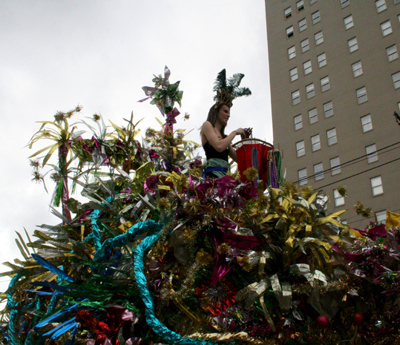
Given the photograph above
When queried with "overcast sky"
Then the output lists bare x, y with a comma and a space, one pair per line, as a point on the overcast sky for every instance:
56, 54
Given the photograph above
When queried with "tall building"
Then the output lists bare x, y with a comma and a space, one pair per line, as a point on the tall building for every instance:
335, 84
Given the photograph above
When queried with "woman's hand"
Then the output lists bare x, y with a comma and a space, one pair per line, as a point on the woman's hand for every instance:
240, 131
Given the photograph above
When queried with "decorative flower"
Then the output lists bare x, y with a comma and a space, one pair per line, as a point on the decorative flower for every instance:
150, 183
153, 154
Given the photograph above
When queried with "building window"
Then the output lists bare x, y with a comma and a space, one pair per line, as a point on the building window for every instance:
296, 97
372, 155
289, 31
325, 85
392, 53
300, 5
288, 12
331, 135
396, 80
376, 185
302, 177
310, 91
319, 38
380, 216
366, 123
386, 28
298, 122
357, 69
339, 200
328, 109
307, 67
300, 149
380, 5
312, 116
348, 22
318, 171
335, 166
353, 45
315, 143
345, 3
292, 52
293, 74
316, 18
305, 45
321, 60
302, 25
362, 95
396, 2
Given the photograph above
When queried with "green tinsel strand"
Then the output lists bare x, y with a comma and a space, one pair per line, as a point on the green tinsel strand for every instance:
279, 168
57, 197
107, 230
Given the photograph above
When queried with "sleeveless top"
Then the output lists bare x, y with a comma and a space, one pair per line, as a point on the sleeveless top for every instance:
211, 152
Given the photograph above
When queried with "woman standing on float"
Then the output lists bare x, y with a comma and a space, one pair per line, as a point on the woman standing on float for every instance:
216, 144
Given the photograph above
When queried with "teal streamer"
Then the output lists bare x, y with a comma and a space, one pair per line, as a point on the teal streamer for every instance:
121, 240
12, 305
86, 239
169, 336
95, 229
28, 339
95, 234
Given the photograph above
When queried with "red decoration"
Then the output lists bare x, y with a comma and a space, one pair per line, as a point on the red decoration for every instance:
358, 318
322, 321
245, 158
217, 298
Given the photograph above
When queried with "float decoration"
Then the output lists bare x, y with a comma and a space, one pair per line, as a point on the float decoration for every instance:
158, 254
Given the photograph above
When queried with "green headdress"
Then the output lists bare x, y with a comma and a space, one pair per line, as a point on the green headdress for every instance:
228, 90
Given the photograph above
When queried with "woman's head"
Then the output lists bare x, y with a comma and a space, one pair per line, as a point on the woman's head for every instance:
219, 112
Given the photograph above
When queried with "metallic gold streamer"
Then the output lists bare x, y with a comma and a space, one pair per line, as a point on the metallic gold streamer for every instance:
392, 220
266, 313
223, 337
186, 310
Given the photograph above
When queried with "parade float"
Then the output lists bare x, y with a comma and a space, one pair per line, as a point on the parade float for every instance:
157, 254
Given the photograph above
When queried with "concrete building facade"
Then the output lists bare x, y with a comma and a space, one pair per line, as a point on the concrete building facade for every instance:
335, 84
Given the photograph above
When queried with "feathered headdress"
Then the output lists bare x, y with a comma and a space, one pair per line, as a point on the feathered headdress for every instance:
228, 90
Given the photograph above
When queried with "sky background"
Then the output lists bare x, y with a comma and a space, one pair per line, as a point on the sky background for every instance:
98, 54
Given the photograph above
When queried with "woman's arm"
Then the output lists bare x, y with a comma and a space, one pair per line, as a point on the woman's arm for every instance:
217, 143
